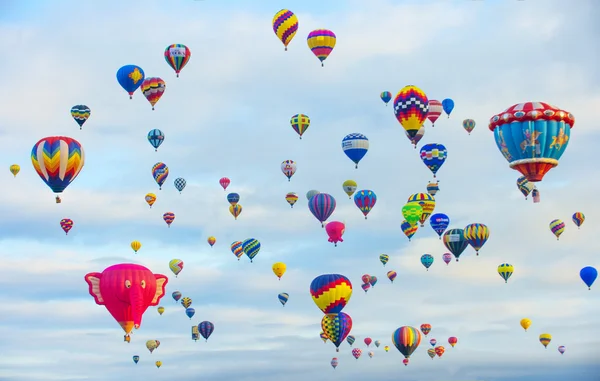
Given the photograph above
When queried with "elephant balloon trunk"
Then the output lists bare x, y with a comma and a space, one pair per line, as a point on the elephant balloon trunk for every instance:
137, 307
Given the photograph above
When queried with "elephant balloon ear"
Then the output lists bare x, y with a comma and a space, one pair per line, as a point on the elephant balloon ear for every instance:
93, 281
161, 283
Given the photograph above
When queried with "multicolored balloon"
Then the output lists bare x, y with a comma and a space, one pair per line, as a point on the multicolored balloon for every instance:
235, 210
160, 172
414, 140
578, 219
455, 242
156, 137
177, 56
532, 137
153, 89
176, 296
386, 97
431, 353
237, 249
408, 229
433, 342
505, 270
169, 217
425, 328
176, 266
186, 302
288, 167
439, 350
365, 201
545, 339
427, 203
300, 123
211, 241
322, 206
57, 160
321, 42
80, 113
285, 26
452, 341
447, 258
331, 292
130, 77
291, 198
406, 339
384, 258
251, 247
349, 187
334, 362
150, 199
412, 213
350, 339
525, 186
355, 146
336, 327
557, 227
434, 155
66, 224
392, 275
283, 298
433, 188
477, 235
468, 125
411, 107
561, 349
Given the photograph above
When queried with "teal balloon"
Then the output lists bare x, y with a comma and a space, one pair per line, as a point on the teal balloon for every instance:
455, 242
427, 260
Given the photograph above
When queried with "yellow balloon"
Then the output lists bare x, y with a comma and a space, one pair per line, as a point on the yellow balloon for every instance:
525, 323
161, 310
14, 169
349, 187
545, 339
279, 269
136, 245
150, 198
235, 210
387, 348
158, 364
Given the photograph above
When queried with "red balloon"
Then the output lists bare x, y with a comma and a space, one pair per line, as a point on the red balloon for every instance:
335, 230
224, 182
127, 290
368, 341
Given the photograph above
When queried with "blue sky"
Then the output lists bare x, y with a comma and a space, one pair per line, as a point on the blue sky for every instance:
228, 115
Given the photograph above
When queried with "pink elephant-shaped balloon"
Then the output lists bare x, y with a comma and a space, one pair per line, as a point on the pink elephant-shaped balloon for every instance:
127, 290
335, 230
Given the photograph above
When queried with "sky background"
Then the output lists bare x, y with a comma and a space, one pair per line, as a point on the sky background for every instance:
228, 115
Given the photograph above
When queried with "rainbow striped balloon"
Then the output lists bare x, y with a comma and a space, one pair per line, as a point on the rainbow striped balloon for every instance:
57, 160
177, 56
331, 292
321, 42
406, 340
578, 219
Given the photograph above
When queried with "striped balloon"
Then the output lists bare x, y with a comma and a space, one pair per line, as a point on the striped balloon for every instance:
321, 206
321, 42
384, 258
283, 298
351, 339
392, 275
411, 107
177, 56
156, 137
237, 250
433, 188
291, 198
251, 247
66, 224
160, 172
505, 270
477, 235
331, 292
57, 160
455, 242
206, 329
557, 227
153, 88
285, 26
169, 217
435, 110
336, 327
408, 229
406, 340
386, 97
80, 113
578, 219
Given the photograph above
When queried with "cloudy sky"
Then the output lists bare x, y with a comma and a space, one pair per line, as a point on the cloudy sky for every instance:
228, 115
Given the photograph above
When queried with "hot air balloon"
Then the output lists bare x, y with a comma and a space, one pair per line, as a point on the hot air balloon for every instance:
476, 235
224, 182
285, 26
80, 113
176, 295
392, 275
186, 302
414, 140
448, 106
206, 329
557, 227
331, 292
439, 350
15, 169
588, 275
136, 359
336, 326
452, 341
66, 224
190, 312
561, 349
433, 188
371, 354
176, 266
235, 210
405, 362
366, 278
279, 269
321, 206
169, 217
426, 201
350, 339
355, 146
411, 107
365, 287
433, 342
373, 281
136, 245
311, 193
152, 345
300, 123
323, 337
130, 77
150, 199
153, 88
408, 229
386, 97
237, 250
435, 110
356, 352
455, 242
283, 298
433, 156
158, 364
431, 353
291, 198
334, 362
578, 219
447, 257
160, 310
406, 340
427, 260
545, 339
335, 230
425, 328
412, 213
126, 290
160, 171
211, 241
321, 42
532, 137
525, 186
365, 201
233, 198
177, 56
251, 247
156, 137
505, 270
384, 258
57, 160
439, 223
288, 167
377, 343
368, 341
386, 348
179, 184
525, 323
469, 125
349, 187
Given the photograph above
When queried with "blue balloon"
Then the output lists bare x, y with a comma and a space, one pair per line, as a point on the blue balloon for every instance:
130, 77
190, 312
439, 223
179, 184
283, 298
588, 276
233, 198
434, 156
355, 146
156, 138
136, 359
448, 106
427, 260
